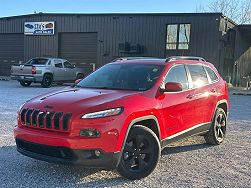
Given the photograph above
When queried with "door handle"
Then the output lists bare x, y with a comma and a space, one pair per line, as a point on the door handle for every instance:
190, 96
213, 90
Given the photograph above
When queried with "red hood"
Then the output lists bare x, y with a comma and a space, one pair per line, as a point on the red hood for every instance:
72, 99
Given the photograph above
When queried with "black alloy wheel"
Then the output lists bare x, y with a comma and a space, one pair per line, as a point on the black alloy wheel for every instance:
47, 81
217, 132
140, 154
25, 83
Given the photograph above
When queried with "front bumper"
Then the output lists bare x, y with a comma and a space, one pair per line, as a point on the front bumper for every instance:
64, 155
27, 78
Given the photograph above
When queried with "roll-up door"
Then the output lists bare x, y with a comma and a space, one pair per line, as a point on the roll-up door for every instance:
11, 51
79, 48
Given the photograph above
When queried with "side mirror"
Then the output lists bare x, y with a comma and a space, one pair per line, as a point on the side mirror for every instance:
172, 87
77, 81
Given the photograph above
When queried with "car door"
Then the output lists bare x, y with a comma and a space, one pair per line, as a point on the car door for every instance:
70, 71
212, 89
178, 109
200, 94
59, 73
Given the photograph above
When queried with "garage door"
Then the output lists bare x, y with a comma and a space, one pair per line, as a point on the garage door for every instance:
79, 48
11, 51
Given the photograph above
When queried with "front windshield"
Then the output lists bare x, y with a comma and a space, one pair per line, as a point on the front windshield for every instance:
136, 77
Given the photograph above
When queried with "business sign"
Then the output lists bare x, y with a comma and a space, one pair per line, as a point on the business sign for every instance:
39, 28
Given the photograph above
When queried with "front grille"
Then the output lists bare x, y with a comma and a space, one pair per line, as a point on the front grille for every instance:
48, 120
52, 151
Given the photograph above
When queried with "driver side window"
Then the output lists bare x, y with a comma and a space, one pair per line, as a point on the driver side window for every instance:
178, 74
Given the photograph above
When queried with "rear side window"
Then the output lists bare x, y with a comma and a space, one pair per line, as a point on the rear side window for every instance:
58, 63
178, 74
211, 74
37, 61
198, 74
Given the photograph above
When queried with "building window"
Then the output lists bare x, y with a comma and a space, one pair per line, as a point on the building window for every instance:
178, 36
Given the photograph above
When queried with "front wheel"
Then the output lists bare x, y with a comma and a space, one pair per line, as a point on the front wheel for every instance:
217, 131
25, 83
140, 154
47, 81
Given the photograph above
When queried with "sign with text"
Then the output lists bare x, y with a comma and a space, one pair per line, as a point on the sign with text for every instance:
39, 28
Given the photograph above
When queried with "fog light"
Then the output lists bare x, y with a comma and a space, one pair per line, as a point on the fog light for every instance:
97, 153
89, 133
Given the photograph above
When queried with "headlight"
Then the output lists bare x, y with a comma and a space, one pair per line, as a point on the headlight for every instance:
104, 113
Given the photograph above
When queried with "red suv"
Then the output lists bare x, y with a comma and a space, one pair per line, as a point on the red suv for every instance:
123, 114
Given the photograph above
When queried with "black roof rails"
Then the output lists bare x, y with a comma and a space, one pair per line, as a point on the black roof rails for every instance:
173, 58
132, 58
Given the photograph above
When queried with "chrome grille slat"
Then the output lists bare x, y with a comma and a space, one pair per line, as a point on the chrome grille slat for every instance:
23, 115
57, 118
28, 116
48, 120
66, 121
34, 117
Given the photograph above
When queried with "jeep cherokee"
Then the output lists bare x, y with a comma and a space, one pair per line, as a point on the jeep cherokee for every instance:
122, 115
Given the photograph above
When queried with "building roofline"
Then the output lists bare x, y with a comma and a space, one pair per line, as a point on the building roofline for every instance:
111, 14
229, 19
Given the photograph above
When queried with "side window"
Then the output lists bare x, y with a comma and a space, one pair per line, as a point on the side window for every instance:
211, 74
178, 36
178, 74
58, 63
49, 63
198, 74
67, 65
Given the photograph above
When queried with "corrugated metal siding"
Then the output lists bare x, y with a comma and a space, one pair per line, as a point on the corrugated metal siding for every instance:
147, 30
79, 48
11, 51
243, 56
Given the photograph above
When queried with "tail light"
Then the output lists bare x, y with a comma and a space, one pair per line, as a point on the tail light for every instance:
33, 70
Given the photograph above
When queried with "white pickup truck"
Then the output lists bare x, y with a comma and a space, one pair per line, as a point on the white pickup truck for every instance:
46, 71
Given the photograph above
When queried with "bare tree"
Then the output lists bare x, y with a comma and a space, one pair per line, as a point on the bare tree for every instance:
237, 10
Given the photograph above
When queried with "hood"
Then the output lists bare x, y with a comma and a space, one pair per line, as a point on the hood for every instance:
72, 99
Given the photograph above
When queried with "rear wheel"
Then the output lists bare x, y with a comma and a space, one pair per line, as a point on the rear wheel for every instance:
217, 131
140, 154
47, 81
25, 83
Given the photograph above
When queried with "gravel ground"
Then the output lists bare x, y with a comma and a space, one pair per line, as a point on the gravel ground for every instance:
190, 163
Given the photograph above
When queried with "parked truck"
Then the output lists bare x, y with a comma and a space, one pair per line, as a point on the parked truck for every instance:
46, 71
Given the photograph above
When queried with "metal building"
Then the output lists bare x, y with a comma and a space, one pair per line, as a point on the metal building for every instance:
95, 39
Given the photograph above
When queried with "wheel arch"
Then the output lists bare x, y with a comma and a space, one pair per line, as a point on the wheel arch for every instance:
224, 105
149, 121
137, 121
144, 119
48, 73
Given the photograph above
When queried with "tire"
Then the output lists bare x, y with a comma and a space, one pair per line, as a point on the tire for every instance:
47, 81
140, 154
217, 131
80, 76
25, 83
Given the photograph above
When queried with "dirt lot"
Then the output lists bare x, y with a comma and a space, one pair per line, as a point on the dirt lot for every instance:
190, 163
